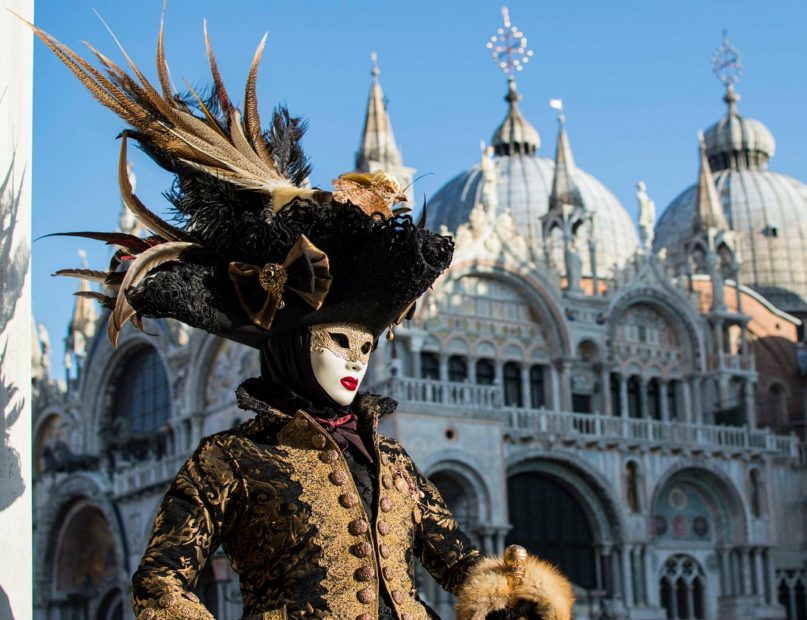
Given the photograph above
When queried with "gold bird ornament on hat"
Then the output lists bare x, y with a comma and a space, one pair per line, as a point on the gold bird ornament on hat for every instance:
372, 192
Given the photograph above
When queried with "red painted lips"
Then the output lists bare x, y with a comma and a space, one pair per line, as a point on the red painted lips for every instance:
349, 383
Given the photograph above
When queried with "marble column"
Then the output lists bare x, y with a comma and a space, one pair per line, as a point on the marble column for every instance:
526, 398
664, 401
566, 384
624, 410
554, 388
443, 367
748, 403
685, 405
745, 556
725, 571
638, 575
759, 574
605, 392
626, 554
697, 401
643, 408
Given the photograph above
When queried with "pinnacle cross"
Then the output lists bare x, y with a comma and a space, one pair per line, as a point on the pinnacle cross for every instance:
726, 62
509, 47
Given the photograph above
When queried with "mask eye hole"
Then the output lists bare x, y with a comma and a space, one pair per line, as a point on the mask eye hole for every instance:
365, 348
340, 339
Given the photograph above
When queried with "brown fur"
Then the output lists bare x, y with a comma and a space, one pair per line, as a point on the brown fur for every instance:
486, 590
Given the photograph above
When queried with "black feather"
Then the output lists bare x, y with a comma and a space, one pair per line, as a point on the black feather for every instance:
284, 142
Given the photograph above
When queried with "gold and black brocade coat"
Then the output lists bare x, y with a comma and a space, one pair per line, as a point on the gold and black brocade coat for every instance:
276, 493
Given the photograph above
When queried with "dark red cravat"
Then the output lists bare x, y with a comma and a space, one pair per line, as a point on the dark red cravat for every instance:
345, 432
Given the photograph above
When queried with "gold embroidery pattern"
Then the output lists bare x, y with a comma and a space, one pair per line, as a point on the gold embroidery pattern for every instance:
338, 528
396, 510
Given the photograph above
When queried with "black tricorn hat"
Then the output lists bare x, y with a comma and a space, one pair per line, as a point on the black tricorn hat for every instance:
254, 252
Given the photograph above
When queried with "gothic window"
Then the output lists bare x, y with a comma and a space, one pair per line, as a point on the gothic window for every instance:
549, 521
142, 400
778, 405
682, 588
485, 372
512, 385
792, 594
537, 393
429, 365
632, 485
457, 369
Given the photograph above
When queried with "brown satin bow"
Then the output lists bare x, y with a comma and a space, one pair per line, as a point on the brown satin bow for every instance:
306, 272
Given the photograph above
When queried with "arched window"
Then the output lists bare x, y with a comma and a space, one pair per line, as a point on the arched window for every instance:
485, 372
142, 400
682, 588
632, 485
457, 369
755, 492
549, 521
429, 365
512, 385
537, 390
672, 399
792, 594
616, 395
654, 399
634, 408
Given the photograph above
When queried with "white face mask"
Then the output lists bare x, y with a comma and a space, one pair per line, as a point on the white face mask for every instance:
339, 356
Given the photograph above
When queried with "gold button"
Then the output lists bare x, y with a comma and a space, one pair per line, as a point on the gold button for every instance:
365, 596
406, 616
167, 600
147, 614
383, 550
364, 617
348, 500
386, 504
383, 528
388, 574
397, 596
401, 485
358, 527
318, 441
338, 477
386, 480
328, 456
362, 549
365, 573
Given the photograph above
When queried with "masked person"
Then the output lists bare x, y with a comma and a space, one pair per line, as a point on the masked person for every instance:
320, 516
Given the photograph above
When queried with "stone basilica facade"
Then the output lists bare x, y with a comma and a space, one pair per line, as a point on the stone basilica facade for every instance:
628, 405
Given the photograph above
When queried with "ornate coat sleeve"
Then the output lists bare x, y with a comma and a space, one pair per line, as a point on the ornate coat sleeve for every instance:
186, 531
441, 546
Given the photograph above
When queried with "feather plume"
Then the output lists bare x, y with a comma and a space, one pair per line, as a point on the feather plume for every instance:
284, 141
143, 213
131, 243
105, 300
90, 275
233, 152
218, 84
144, 264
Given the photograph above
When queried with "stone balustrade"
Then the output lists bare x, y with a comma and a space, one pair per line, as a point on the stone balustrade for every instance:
424, 395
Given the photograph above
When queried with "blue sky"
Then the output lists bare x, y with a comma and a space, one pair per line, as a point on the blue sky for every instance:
635, 77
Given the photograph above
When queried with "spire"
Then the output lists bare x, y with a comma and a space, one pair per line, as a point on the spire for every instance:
378, 147
83, 322
564, 188
708, 210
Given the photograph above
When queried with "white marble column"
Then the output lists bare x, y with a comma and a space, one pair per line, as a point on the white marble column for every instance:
624, 409
526, 398
759, 574
685, 406
443, 367
16, 90
626, 554
697, 401
745, 556
664, 401
643, 408
725, 571
605, 392
554, 398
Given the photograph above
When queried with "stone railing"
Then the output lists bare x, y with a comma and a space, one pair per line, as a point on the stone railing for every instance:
736, 362
428, 391
650, 433
424, 395
140, 476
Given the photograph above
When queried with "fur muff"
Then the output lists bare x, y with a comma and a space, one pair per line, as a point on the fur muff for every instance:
487, 590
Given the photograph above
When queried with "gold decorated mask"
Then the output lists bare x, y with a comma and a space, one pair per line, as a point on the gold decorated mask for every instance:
348, 341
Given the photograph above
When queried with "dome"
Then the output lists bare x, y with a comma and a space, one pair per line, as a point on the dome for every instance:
766, 210
524, 186
736, 141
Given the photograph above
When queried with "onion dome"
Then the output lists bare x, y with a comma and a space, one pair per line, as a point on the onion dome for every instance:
736, 141
515, 135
